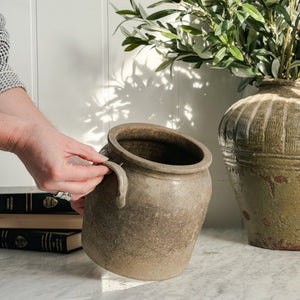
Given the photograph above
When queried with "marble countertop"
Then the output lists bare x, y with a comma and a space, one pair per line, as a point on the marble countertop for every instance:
223, 266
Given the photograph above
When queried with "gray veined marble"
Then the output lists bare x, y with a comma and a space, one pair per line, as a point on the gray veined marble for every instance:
223, 266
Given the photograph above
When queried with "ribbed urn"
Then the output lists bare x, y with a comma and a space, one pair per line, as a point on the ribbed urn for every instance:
260, 141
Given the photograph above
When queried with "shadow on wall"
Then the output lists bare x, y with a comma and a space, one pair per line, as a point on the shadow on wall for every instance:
186, 101
135, 94
193, 102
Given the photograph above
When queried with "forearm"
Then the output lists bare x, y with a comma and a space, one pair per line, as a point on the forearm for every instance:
12, 131
16, 102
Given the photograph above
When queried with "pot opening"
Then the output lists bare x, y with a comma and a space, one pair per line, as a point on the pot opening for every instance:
161, 147
161, 152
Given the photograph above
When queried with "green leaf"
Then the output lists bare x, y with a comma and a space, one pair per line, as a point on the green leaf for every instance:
253, 12
241, 70
281, 10
262, 52
171, 28
262, 58
150, 36
180, 46
125, 31
223, 27
190, 58
127, 12
131, 47
225, 63
271, 2
275, 67
191, 30
236, 52
262, 55
210, 2
134, 40
251, 40
241, 16
159, 52
219, 55
223, 38
163, 65
133, 4
142, 12
198, 65
265, 68
218, 29
210, 37
161, 14
244, 83
259, 80
169, 35
295, 64
160, 3
203, 53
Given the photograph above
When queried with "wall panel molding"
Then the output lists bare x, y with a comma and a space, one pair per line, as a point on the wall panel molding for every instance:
34, 52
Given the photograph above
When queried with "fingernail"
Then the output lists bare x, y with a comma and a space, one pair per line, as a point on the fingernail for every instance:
104, 158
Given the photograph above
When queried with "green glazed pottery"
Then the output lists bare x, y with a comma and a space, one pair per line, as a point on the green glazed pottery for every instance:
260, 141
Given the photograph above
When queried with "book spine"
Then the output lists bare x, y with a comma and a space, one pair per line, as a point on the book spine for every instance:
41, 221
33, 203
33, 240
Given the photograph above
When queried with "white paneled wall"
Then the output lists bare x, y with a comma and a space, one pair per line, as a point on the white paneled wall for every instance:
19, 25
71, 59
81, 79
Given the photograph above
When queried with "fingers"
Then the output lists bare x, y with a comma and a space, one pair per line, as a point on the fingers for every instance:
65, 166
86, 152
81, 173
76, 188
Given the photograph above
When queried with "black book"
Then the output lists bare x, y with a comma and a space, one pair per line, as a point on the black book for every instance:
33, 203
40, 240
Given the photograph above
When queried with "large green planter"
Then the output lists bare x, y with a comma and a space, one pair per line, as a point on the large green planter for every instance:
260, 141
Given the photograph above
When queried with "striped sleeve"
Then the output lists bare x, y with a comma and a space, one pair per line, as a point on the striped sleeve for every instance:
8, 78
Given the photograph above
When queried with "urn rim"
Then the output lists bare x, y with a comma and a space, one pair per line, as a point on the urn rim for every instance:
117, 132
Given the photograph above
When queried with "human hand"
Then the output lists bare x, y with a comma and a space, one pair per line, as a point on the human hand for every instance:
60, 163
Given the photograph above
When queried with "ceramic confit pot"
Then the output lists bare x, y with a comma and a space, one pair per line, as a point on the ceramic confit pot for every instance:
143, 220
260, 140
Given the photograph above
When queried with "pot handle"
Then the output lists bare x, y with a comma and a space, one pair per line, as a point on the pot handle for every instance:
122, 182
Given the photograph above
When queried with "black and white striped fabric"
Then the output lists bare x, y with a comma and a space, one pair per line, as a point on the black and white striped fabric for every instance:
8, 78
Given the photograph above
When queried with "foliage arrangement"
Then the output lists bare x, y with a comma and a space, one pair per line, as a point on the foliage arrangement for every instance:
254, 39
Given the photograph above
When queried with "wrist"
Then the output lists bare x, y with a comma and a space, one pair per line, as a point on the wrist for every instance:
13, 133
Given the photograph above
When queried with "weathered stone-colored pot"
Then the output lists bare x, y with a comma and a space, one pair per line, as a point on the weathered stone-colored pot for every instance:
260, 140
143, 220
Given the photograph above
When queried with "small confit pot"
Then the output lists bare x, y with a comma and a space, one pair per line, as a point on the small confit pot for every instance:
143, 220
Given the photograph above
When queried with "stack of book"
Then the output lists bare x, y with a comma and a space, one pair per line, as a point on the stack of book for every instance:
38, 221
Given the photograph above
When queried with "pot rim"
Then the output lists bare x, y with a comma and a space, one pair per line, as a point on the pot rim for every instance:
116, 131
